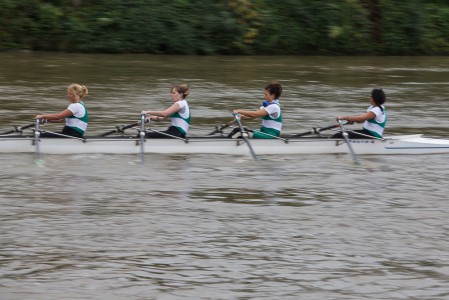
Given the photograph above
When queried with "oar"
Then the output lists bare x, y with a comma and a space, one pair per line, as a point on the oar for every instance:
120, 129
345, 137
316, 130
18, 129
142, 137
245, 136
222, 126
37, 134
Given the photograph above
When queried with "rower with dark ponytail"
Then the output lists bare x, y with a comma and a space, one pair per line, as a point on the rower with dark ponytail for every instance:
378, 97
374, 120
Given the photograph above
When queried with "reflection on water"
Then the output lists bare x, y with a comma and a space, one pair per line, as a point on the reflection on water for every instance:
219, 226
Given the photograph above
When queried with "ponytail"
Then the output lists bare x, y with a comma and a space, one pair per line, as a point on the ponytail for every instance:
378, 97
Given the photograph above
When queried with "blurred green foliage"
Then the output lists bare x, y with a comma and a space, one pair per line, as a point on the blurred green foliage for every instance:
291, 27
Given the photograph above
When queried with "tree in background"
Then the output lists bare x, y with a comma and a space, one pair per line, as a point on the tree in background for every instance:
207, 27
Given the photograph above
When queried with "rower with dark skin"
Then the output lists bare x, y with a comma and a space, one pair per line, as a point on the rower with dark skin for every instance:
270, 112
374, 120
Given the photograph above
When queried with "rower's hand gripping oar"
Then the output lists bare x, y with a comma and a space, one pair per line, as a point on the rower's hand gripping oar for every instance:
219, 129
346, 138
245, 136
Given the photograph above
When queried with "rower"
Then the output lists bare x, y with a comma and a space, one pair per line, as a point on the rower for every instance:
374, 120
75, 115
270, 112
178, 112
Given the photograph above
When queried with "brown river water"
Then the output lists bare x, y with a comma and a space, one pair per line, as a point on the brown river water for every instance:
223, 226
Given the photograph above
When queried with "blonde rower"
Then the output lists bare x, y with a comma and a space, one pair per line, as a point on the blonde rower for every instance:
75, 115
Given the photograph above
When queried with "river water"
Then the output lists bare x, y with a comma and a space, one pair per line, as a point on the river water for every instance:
223, 226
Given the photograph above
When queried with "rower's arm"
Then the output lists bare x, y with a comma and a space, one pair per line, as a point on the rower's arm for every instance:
163, 114
360, 118
248, 114
59, 117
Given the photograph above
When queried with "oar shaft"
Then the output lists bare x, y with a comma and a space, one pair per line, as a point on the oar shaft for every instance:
317, 130
142, 137
245, 137
348, 143
18, 129
8, 132
223, 126
37, 134
327, 128
120, 129
124, 127
109, 132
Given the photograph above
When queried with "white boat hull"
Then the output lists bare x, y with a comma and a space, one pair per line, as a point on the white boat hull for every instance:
411, 144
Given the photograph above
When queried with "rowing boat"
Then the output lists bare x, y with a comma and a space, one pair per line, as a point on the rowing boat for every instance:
404, 144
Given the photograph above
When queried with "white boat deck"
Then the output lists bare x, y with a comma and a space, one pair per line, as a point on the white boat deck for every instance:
408, 144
